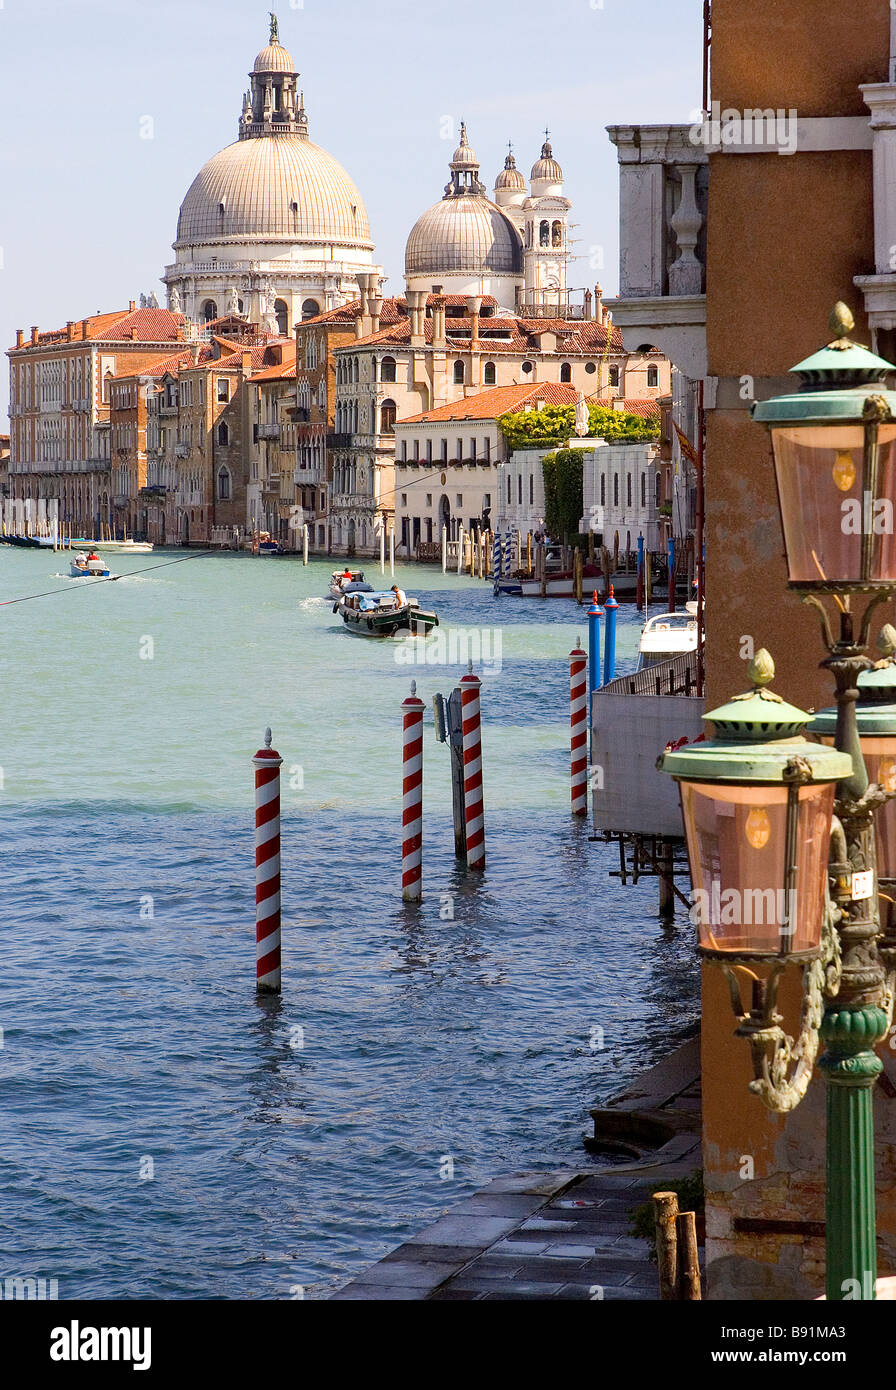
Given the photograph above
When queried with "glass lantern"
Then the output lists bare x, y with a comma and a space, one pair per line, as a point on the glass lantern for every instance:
834, 447
757, 802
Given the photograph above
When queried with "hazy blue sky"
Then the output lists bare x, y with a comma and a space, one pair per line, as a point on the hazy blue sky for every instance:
88, 208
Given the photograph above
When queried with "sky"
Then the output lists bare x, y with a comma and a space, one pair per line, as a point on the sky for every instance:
111, 107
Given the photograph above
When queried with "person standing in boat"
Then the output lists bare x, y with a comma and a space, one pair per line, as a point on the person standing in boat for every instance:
401, 597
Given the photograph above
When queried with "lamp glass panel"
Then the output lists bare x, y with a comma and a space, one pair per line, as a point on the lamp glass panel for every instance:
824, 512
736, 839
879, 754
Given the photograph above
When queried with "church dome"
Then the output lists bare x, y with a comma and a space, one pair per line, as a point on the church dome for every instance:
274, 58
547, 167
282, 187
510, 177
467, 235
464, 233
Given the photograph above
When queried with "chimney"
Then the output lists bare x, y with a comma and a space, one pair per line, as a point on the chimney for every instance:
20, 337
367, 283
132, 304
195, 351
438, 323
539, 402
474, 308
70, 329
84, 323
416, 300
246, 362
599, 303
589, 311
34, 333
376, 308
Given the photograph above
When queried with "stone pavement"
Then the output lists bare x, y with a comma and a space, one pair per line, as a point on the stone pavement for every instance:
561, 1235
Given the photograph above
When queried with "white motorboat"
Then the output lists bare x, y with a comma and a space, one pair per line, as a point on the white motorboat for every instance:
668, 635
342, 580
84, 566
119, 547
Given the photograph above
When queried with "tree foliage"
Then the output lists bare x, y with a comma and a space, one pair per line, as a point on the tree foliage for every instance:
554, 424
563, 491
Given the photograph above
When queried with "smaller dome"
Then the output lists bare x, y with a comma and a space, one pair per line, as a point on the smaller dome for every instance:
547, 167
510, 176
274, 58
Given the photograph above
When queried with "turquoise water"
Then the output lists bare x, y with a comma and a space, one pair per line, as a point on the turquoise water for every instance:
166, 1133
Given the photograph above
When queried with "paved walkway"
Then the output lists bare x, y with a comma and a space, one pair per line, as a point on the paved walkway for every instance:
562, 1235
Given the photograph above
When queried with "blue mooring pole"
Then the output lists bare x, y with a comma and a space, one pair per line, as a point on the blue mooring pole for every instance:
670, 565
610, 640
594, 615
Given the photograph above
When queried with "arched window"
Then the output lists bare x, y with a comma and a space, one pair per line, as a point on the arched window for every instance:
224, 485
223, 433
657, 482
628, 490
281, 309
458, 373
653, 376
310, 309
209, 310
488, 376
544, 233
373, 375
614, 376
565, 372
557, 234
387, 369
387, 417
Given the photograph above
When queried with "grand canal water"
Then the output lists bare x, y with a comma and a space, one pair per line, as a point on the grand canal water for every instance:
293, 1141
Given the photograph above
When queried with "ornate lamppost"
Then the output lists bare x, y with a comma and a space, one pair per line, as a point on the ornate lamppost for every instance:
834, 451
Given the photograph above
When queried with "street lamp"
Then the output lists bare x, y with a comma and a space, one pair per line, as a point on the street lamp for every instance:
757, 803
834, 453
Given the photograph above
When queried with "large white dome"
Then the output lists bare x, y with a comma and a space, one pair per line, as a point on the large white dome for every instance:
283, 187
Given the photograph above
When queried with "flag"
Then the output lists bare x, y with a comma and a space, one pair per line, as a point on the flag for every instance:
685, 445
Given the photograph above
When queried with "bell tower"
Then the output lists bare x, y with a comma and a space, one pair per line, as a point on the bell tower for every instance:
546, 236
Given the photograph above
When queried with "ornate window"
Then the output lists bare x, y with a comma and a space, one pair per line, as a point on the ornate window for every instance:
223, 433
281, 309
565, 372
387, 417
544, 233
209, 310
224, 493
614, 376
310, 308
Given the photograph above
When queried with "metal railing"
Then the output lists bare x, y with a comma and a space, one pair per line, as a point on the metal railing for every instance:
675, 677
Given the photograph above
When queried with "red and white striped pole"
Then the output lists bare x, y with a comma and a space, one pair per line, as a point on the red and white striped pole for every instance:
412, 798
578, 728
474, 816
267, 763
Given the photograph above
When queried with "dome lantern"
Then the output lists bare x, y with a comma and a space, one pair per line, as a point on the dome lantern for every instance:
546, 170
272, 102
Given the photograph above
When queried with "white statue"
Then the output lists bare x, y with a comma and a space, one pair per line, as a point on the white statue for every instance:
174, 299
143, 301
233, 302
152, 301
269, 316
582, 425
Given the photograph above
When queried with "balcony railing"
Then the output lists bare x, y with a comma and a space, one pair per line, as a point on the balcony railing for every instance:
268, 431
182, 451
344, 501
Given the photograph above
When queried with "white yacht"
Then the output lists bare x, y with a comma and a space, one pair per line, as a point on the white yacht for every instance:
668, 635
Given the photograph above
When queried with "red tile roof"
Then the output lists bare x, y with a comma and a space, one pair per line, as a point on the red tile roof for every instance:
498, 401
648, 408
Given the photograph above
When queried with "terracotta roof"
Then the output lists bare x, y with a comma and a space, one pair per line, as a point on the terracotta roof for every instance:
171, 364
498, 401
648, 408
279, 372
574, 338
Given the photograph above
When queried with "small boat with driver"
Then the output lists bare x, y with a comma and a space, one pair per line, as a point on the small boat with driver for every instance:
372, 613
88, 566
340, 580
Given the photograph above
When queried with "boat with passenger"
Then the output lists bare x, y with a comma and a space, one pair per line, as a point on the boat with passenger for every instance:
371, 613
88, 566
342, 580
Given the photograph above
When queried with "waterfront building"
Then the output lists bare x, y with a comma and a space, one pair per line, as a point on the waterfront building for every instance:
60, 380
272, 228
815, 221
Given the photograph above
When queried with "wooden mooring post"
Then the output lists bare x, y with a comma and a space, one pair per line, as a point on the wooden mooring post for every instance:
677, 1256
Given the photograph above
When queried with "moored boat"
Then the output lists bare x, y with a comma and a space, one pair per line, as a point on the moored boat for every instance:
668, 635
118, 547
372, 613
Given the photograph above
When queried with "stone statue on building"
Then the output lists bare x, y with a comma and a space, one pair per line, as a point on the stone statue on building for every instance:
582, 425
174, 299
269, 311
143, 301
233, 302
275, 31
152, 301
